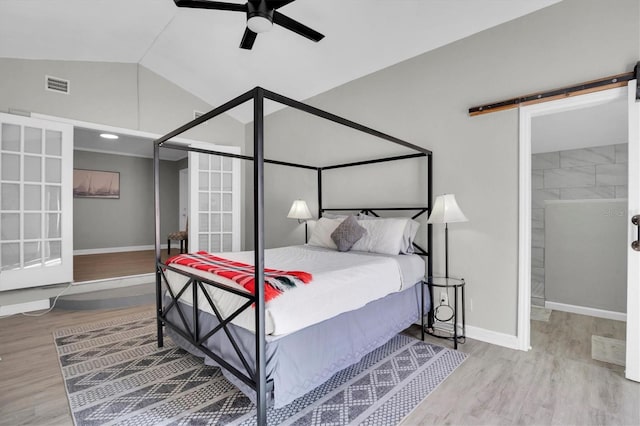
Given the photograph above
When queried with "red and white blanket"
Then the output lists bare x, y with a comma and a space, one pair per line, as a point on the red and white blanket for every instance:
276, 281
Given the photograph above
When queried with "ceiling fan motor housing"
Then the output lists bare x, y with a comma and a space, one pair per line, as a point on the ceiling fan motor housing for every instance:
259, 16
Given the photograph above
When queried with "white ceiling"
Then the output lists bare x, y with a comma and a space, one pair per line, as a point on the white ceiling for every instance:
198, 49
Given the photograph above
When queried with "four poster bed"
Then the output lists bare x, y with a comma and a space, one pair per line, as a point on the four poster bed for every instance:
320, 309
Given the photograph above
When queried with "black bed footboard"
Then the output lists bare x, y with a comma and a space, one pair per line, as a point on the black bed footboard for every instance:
191, 330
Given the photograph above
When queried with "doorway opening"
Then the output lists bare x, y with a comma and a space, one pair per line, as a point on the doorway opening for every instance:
114, 237
579, 188
527, 115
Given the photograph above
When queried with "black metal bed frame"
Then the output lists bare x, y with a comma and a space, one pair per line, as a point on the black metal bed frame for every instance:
256, 378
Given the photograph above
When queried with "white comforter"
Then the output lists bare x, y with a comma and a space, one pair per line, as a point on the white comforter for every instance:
341, 282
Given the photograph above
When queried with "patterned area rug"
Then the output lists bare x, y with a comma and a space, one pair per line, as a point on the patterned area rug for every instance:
115, 374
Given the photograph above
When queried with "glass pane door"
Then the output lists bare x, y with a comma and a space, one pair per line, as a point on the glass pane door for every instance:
36, 236
214, 217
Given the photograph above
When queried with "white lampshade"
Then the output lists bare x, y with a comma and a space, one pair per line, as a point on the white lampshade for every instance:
259, 24
446, 210
299, 210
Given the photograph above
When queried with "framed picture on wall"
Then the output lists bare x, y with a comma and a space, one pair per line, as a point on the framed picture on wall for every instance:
96, 184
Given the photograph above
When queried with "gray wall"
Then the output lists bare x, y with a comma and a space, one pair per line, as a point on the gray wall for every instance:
586, 253
129, 220
116, 94
587, 173
425, 100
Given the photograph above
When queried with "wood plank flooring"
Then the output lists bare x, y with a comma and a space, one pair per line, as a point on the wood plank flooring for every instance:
556, 382
89, 267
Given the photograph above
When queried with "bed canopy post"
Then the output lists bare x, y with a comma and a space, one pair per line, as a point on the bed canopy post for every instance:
319, 192
156, 196
258, 203
429, 204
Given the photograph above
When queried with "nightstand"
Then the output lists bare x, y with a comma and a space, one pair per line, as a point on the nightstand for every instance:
443, 310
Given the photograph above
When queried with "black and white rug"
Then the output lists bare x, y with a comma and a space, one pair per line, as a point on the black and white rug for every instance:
116, 375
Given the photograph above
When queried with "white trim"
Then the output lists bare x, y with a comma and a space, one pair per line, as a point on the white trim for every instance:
632, 370
523, 332
115, 249
19, 308
524, 198
96, 126
493, 337
122, 154
585, 310
183, 197
122, 130
116, 282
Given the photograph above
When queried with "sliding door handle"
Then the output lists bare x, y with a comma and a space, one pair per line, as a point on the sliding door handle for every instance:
636, 221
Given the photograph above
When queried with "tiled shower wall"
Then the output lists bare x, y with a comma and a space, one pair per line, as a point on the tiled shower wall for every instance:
587, 173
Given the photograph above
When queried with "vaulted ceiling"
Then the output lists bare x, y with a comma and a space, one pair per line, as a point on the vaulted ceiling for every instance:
198, 49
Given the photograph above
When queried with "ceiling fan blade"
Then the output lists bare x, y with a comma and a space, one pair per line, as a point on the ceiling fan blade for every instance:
277, 4
217, 5
248, 39
296, 27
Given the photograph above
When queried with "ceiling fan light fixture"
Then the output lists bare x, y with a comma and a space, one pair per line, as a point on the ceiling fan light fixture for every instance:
110, 136
259, 24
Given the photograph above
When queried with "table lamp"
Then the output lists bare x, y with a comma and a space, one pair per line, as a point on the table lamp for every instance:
299, 210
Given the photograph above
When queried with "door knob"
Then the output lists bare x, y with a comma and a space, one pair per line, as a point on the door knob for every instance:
636, 221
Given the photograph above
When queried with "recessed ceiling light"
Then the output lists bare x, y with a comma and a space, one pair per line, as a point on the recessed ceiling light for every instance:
108, 136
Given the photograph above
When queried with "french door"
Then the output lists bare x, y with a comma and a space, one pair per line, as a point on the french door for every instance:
214, 200
36, 210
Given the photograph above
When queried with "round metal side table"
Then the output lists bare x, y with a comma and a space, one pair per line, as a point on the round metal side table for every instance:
442, 312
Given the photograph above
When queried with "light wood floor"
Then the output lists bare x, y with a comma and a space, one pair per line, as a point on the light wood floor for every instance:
89, 267
555, 383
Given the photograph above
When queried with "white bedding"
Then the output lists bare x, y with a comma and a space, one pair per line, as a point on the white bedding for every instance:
341, 282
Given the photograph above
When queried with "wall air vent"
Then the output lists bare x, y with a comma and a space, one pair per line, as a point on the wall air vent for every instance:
55, 84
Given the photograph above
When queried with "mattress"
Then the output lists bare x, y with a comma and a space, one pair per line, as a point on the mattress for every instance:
341, 282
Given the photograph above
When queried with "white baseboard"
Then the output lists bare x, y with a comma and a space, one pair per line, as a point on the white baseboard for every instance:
493, 337
19, 308
116, 249
116, 282
583, 310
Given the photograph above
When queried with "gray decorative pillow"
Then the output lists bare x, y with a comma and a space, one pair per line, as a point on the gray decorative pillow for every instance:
347, 233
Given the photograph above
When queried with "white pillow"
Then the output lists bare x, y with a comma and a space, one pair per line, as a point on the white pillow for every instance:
334, 216
383, 236
409, 235
321, 234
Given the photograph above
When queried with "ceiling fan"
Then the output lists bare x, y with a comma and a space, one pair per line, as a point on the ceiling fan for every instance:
261, 15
